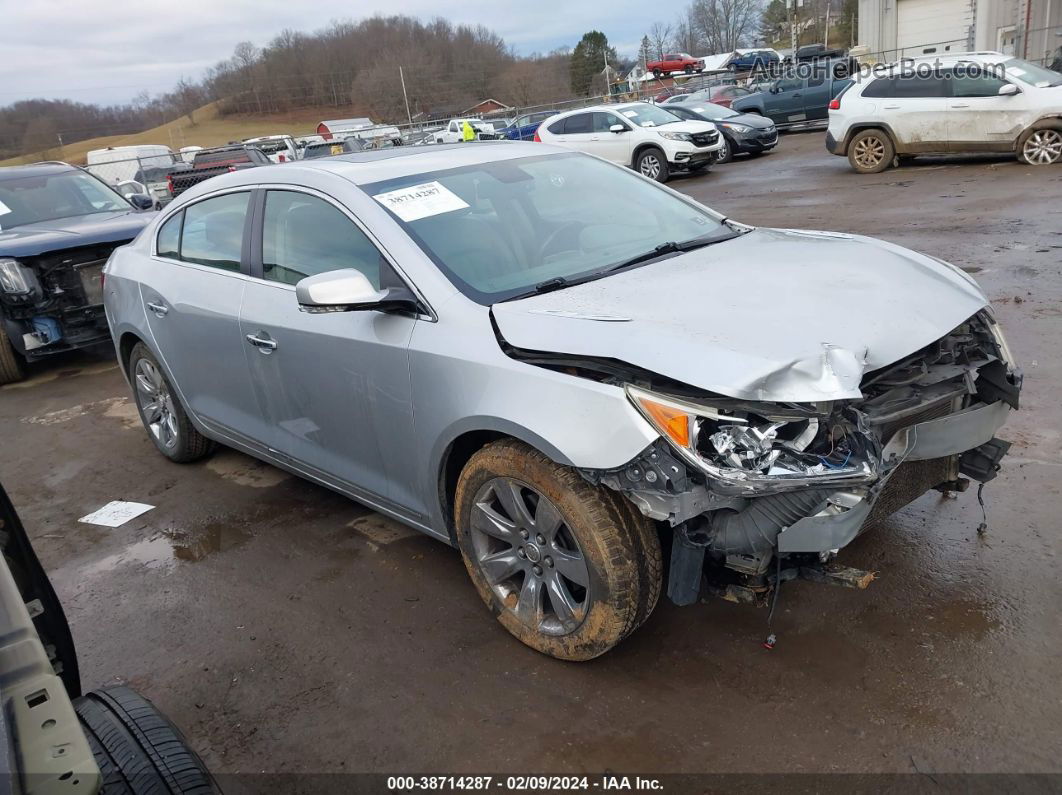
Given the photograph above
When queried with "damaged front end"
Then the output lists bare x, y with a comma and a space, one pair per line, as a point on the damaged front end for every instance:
748, 485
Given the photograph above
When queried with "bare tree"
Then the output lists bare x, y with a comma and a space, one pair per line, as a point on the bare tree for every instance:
659, 39
686, 37
724, 25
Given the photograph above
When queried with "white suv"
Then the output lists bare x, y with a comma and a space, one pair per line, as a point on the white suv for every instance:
649, 139
965, 102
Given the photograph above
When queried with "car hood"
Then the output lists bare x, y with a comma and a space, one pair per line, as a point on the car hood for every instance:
778, 315
30, 240
684, 126
753, 120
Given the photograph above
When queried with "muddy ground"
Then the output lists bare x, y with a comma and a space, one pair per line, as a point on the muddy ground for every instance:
285, 628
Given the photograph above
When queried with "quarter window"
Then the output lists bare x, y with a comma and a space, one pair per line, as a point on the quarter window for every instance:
304, 235
213, 231
168, 243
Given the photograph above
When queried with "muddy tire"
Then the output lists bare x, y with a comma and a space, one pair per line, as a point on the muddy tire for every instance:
568, 568
871, 151
652, 163
1041, 144
160, 409
11, 368
138, 751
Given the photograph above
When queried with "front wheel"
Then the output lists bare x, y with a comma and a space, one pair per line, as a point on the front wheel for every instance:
160, 410
568, 568
657, 73
1042, 145
726, 154
652, 163
871, 152
11, 368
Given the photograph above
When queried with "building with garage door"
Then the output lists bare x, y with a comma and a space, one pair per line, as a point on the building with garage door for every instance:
893, 29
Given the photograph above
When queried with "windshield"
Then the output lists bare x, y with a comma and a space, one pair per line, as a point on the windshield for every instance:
649, 115
1038, 76
499, 229
712, 111
67, 194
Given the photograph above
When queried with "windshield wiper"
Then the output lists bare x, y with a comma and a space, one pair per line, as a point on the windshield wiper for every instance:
670, 247
550, 285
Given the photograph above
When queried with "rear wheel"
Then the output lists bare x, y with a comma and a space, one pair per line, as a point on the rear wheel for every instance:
657, 73
871, 152
568, 568
653, 164
138, 751
1041, 145
161, 411
11, 368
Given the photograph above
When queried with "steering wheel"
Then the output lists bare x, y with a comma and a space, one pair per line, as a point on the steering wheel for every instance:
556, 238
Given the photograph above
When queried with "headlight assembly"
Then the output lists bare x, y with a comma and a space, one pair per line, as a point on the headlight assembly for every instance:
675, 136
764, 451
738, 128
17, 282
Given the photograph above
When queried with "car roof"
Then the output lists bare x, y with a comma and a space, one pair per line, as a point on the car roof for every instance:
35, 170
984, 56
377, 165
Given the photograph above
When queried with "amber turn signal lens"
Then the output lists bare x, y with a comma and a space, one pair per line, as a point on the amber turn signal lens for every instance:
670, 420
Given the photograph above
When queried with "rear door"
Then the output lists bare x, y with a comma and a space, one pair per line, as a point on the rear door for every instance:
785, 103
334, 386
817, 96
192, 302
576, 131
979, 118
916, 109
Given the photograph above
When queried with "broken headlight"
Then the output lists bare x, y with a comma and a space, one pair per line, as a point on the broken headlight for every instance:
17, 282
758, 450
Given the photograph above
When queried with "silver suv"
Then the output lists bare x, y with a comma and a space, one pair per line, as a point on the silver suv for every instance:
560, 367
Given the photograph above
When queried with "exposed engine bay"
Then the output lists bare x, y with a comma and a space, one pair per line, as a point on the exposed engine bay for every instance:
747, 485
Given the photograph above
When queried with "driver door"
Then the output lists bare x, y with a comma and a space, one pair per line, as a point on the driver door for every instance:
334, 386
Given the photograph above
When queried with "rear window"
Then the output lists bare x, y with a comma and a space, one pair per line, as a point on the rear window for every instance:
213, 231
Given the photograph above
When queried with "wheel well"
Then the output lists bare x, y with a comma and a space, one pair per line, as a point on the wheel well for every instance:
454, 459
641, 148
125, 347
855, 129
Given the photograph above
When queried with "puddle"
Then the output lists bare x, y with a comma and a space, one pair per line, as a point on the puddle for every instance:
244, 470
163, 551
211, 539
151, 553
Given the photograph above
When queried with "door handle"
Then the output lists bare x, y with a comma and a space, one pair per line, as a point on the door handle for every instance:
158, 309
891, 107
594, 138
263, 345
961, 105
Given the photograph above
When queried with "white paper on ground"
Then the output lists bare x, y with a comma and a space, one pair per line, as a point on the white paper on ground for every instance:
116, 513
4, 209
421, 201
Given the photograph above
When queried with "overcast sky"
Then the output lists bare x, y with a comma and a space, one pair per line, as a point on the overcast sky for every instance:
107, 51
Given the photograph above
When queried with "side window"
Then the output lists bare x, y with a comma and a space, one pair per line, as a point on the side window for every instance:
918, 87
983, 85
168, 242
791, 84
213, 231
557, 128
879, 89
579, 123
602, 122
304, 235
816, 80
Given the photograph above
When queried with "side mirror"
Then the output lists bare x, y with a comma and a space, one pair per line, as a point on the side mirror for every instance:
1009, 90
617, 128
774, 88
141, 201
348, 290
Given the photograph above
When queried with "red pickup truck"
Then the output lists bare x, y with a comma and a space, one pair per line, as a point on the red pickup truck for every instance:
209, 163
675, 62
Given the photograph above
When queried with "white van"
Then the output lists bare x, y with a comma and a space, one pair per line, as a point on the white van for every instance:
121, 163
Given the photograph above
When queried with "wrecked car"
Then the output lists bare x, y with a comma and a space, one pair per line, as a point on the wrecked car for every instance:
562, 368
58, 225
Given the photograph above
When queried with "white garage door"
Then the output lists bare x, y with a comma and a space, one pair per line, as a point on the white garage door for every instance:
933, 27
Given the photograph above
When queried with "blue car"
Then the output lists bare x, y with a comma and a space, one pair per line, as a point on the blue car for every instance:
523, 128
58, 226
754, 59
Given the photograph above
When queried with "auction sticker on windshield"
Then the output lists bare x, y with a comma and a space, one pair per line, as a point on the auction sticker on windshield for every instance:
421, 201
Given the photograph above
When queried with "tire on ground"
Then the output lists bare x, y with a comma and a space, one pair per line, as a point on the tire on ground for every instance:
621, 548
871, 151
651, 151
1052, 128
726, 154
191, 444
11, 368
138, 751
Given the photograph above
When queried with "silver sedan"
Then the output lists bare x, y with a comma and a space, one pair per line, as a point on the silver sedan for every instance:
560, 367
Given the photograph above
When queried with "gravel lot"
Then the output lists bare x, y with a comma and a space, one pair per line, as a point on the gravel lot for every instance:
284, 628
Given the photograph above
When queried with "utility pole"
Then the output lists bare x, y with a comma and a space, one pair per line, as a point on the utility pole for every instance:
826, 37
402, 77
791, 7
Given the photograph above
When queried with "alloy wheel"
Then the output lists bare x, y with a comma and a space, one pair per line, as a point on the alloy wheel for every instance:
869, 152
650, 166
529, 556
156, 403
724, 152
1043, 147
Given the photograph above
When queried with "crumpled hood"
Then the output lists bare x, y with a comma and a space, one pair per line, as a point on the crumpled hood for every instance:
30, 240
778, 315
